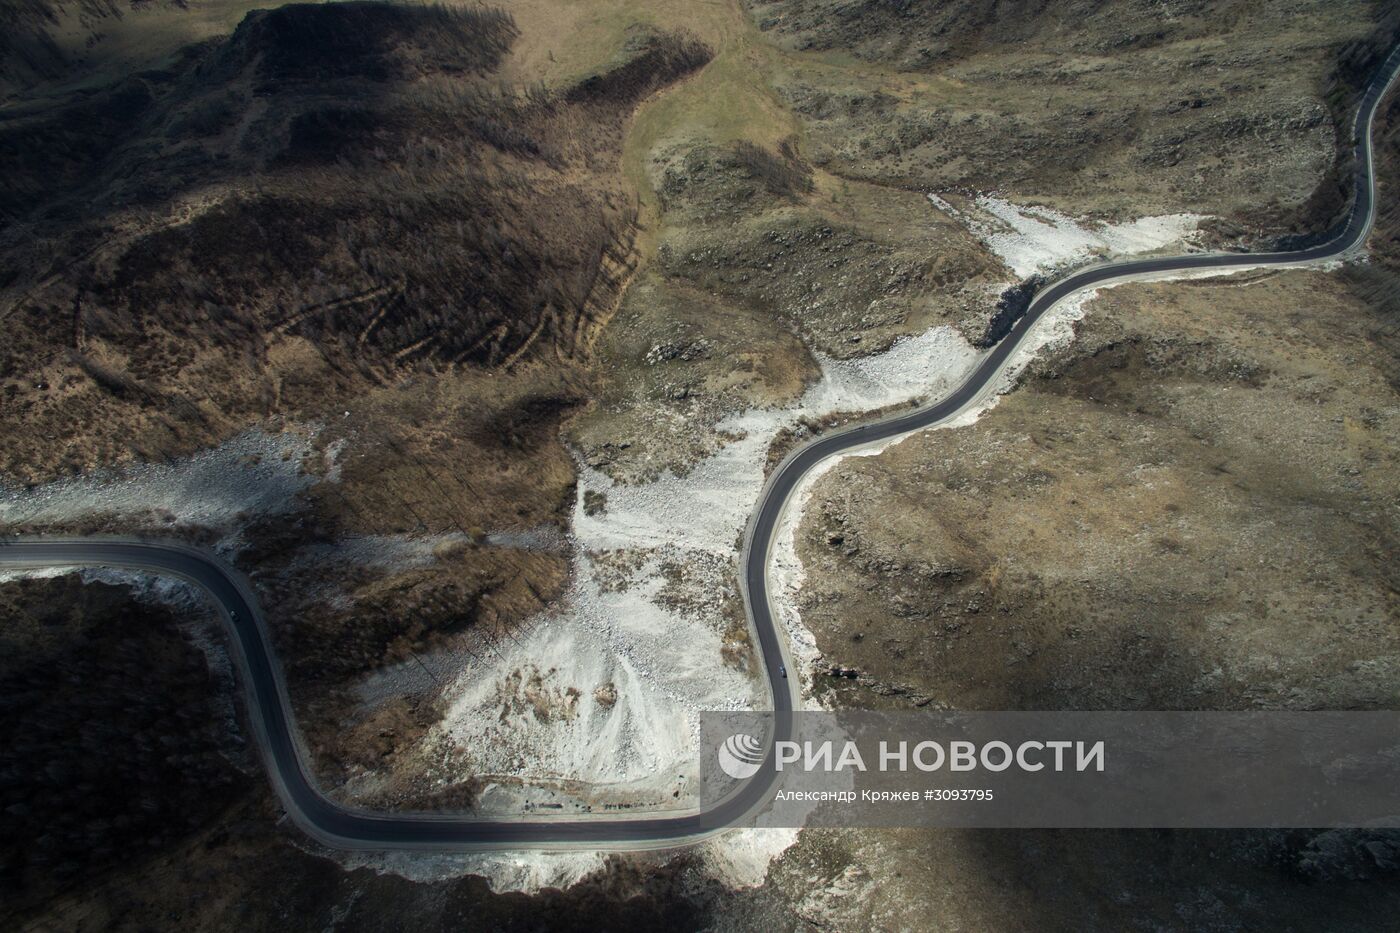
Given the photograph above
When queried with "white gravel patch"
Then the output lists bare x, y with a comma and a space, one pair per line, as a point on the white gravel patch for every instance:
503, 871
255, 473
708, 508
740, 858
616, 632
1033, 240
149, 588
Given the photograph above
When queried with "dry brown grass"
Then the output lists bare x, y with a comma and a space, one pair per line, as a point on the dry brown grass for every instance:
386, 201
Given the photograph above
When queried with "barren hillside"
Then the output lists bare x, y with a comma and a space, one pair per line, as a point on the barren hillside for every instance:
331, 197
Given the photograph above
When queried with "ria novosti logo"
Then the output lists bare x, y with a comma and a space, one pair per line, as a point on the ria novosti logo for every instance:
740, 756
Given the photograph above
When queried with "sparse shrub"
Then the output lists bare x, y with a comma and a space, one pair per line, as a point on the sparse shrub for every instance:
783, 173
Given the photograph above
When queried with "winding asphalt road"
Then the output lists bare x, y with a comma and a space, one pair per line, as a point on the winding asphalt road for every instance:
334, 824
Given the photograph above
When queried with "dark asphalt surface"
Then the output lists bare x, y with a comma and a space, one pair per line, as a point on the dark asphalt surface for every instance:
344, 827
